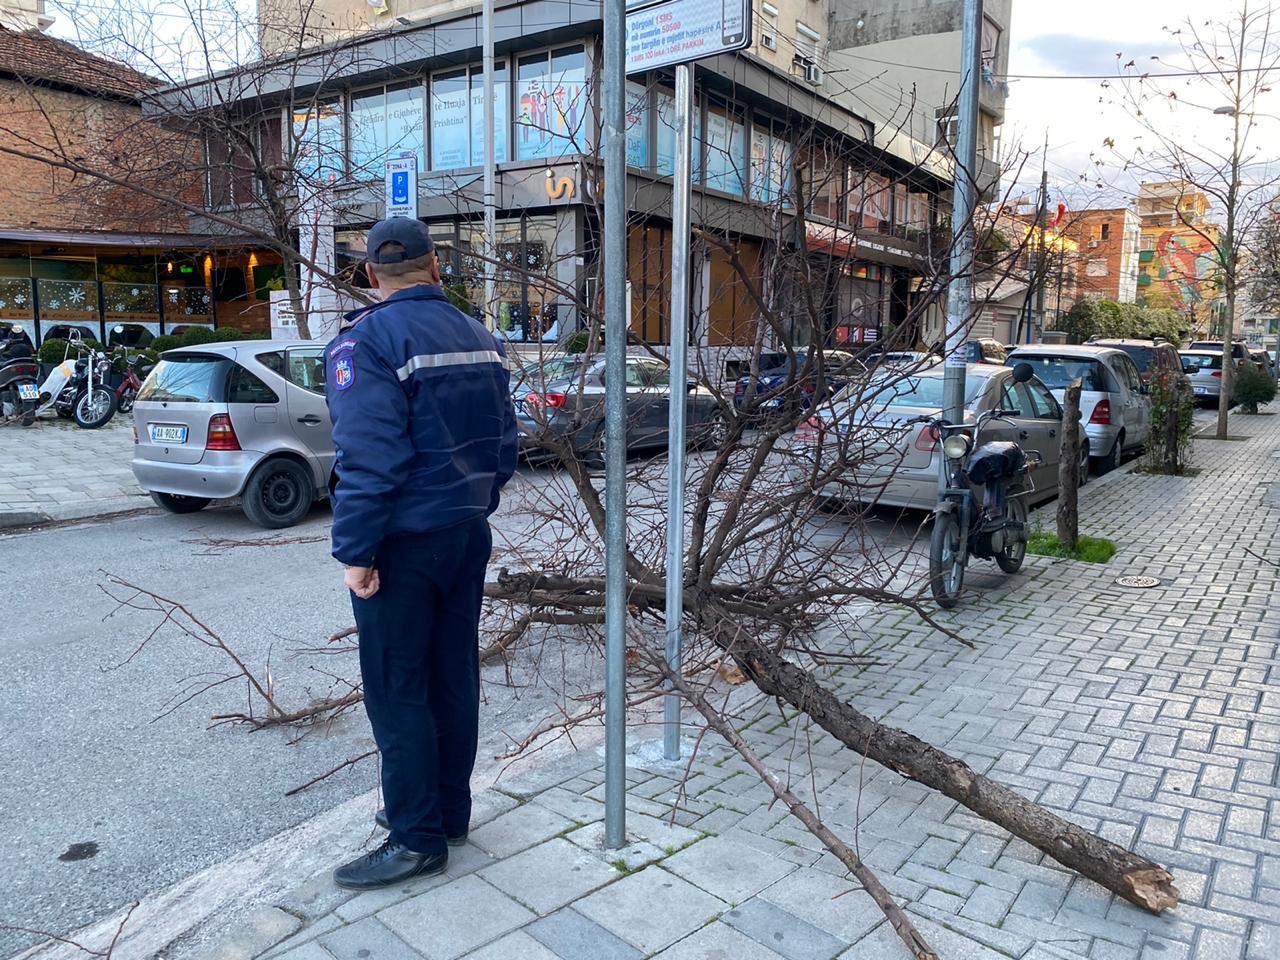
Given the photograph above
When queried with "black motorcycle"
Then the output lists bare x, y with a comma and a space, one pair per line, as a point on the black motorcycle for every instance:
19, 381
983, 508
86, 396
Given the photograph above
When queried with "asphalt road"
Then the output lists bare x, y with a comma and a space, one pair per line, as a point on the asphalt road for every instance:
103, 799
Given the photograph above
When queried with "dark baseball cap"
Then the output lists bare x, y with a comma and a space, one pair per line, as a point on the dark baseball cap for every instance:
411, 237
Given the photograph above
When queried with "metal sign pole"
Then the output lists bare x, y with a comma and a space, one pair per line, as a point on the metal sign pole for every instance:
615, 416
960, 293
490, 174
682, 191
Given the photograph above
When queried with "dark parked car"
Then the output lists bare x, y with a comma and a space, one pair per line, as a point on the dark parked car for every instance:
1150, 356
985, 350
771, 385
570, 409
1239, 349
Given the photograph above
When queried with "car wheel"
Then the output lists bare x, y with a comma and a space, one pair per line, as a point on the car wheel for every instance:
175, 503
1114, 457
279, 493
1084, 463
713, 433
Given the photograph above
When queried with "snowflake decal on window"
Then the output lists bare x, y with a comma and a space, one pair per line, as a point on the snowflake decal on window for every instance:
77, 296
55, 304
173, 296
134, 292
20, 299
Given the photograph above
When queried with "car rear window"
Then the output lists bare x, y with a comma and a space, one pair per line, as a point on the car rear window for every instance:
187, 378
1141, 356
1057, 372
899, 391
1193, 362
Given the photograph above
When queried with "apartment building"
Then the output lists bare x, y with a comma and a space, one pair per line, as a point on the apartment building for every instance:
1108, 242
416, 89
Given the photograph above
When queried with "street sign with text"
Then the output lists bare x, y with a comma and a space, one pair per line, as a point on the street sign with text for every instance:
661, 33
402, 187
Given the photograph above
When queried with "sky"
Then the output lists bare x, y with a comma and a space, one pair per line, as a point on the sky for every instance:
1085, 37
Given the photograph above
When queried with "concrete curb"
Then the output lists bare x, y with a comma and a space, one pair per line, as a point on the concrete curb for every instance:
63, 513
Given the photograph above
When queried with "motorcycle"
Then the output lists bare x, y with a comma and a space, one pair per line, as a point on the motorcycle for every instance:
78, 388
982, 511
19, 377
134, 373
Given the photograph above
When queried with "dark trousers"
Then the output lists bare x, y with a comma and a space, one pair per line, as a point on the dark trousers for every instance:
419, 659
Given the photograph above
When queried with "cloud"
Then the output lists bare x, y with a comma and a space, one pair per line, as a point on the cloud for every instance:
1071, 54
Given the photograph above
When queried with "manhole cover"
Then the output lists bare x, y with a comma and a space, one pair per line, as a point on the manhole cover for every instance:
1138, 582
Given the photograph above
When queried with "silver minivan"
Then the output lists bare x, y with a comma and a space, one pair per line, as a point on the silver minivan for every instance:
244, 419
1114, 409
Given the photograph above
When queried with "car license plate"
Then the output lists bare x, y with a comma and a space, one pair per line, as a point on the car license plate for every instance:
165, 433
1202, 390
28, 391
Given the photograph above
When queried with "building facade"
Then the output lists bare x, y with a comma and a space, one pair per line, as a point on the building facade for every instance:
869, 213
79, 252
1177, 263
1108, 244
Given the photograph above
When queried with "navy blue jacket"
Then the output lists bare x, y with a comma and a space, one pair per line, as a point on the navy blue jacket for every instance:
422, 421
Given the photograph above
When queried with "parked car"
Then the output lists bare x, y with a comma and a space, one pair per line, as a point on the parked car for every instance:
896, 458
570, 409
771, 385
549, 368
985, 350
1204, 369
1239, 349
245, 419
1264, 362
1114, 408
1149, 356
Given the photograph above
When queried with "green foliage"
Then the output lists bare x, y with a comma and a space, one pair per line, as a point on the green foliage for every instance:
577, 342
1112, 320
52, 350
166, 341
1088, 549
1252, 387
1172, 422
194, 336
457, 294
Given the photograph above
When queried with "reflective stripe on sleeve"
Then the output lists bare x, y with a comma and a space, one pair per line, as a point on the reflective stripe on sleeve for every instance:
462, 358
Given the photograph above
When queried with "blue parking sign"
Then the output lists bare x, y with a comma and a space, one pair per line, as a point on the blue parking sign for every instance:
400, 186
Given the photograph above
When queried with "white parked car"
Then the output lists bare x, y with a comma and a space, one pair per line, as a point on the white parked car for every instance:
1114, 409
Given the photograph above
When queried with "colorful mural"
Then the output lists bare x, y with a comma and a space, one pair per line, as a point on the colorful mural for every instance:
1179, 266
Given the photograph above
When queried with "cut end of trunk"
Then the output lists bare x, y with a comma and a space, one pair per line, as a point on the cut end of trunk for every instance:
1153, 889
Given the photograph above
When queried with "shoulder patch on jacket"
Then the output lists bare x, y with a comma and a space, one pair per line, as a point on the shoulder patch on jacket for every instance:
342, 345
344, 372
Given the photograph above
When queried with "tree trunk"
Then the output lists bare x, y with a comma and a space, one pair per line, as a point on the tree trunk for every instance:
1069, 469
296, 301
1137, 879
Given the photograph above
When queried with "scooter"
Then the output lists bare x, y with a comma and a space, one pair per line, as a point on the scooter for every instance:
982, 511
19, 376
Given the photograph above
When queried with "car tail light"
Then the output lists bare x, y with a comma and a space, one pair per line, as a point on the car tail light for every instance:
222, 436
928, 439
1102, 413
135, 434
810, 431
810, 387
547, 399
740, 388
1217, 373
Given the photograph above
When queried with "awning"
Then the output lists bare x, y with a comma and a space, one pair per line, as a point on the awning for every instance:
105, 238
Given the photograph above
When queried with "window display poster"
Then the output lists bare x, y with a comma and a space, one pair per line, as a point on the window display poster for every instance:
761, 182
665, 148
637, 125
405, 119
551, 109
499, 116
450, 137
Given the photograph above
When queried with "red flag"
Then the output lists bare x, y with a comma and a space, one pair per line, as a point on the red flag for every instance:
1062, 212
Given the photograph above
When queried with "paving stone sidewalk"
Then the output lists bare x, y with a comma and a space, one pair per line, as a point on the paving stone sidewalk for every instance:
1147, 716
56, 471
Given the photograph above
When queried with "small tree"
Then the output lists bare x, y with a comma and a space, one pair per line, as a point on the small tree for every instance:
1253, 387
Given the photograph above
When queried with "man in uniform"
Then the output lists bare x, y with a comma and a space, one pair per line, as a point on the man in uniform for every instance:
426, 438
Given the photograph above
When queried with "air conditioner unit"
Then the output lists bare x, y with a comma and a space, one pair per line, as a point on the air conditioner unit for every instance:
768, 41
1093, 244
813, 74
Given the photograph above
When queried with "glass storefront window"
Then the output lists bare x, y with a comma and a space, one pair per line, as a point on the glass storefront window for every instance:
637, 125
457, 118
68, 299
665, 147
552, 107
133, 302
526, 298
384, 123
726, 141
317, 141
